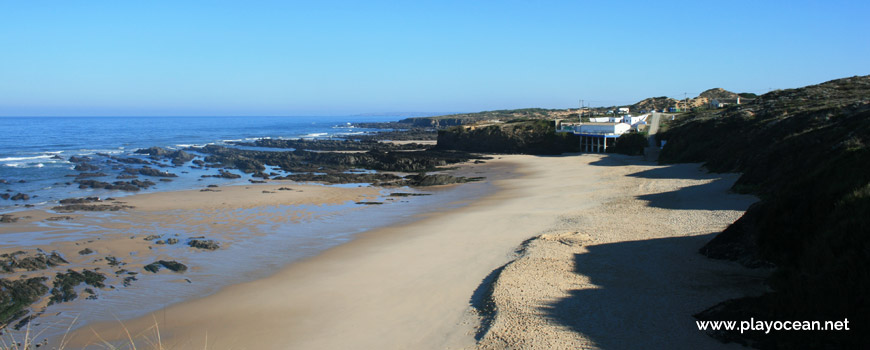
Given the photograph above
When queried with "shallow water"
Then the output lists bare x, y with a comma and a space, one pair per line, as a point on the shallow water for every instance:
255, 251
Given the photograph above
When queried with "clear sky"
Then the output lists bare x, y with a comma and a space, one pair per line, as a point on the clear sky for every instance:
349, 57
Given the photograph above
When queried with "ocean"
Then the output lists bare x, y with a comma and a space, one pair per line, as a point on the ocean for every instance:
35, 151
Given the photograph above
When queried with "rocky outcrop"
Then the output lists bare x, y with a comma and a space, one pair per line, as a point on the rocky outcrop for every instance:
17, 296
20, 197
178, 157
300, 161
65, 283
170, 265
82, 200
154, 172
206, 244
20, 260
131, 186
90, 207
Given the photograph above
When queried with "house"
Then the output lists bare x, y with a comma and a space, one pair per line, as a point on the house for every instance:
603, 129
724, 102
624, 110
634, 120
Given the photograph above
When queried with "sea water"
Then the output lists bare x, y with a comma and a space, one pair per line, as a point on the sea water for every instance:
35, 151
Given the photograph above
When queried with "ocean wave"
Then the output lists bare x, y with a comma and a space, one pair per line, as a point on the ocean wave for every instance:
316, 134
15, 159
83, 152
26, 165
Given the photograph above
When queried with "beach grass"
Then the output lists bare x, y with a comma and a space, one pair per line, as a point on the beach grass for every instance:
149, 339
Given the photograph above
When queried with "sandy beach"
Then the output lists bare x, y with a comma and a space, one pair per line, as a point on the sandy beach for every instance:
573, 251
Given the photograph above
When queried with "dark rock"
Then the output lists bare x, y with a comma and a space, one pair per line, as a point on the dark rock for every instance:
90, 207
59, 218
151, 237
20, 197
154, 172
370, 203
405, 194
4, 195
65, 283
437, 179
17, 296
206, 244
227, 175
130, 160
7, 219
13, 261
80, 200
86, 175
86, 167
86, 251
172, 265
126, 177
129, 280
113, 261
178, 157
75, 159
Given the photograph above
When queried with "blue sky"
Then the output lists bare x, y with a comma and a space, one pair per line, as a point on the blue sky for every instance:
349, 57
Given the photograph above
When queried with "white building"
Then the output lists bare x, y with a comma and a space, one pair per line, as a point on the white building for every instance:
624, 110
603, 128
634, 120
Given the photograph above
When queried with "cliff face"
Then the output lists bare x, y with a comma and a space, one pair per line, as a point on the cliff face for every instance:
804, 152
529, 137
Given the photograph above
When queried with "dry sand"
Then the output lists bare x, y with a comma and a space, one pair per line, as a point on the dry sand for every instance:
615, 265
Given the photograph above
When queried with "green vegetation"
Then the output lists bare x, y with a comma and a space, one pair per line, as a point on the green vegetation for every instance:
804, 152
632, 144
517, 136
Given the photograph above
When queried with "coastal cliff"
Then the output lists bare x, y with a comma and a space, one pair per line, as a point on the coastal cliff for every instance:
527, 136
804, 153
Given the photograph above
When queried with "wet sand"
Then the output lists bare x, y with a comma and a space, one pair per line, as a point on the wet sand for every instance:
425, 285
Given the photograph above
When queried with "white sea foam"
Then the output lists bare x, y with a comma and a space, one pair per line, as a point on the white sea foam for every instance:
13, 159
95, 151
316, 134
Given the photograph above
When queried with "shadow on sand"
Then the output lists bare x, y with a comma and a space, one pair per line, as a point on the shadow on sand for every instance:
647, 292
